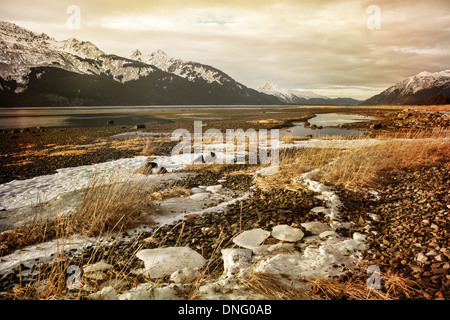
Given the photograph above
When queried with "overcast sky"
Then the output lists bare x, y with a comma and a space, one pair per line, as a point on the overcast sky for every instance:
324, 46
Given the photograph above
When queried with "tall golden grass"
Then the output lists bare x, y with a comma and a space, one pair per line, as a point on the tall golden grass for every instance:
363, 166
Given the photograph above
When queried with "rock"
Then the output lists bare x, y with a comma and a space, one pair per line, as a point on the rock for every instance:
151, 168
251, 238
284, 232
421, 257
184, 275
165, 261
316, 227
235, 260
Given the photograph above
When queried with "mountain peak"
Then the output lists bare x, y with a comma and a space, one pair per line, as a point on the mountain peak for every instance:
159, 53
136, 54
268, 86
416, 89
288, 95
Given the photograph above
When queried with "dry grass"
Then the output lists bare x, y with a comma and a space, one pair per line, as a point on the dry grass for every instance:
271, 286
110, 204
394, 287
294, 162
365, 166
152, 147
113, 205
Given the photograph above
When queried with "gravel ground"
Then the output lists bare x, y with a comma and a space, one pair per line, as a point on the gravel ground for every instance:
412, 225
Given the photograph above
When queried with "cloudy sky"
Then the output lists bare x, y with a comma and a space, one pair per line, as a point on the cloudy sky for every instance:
335, 48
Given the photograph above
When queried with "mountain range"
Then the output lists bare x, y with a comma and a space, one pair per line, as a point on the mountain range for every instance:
37, 70
419, 89
302, 97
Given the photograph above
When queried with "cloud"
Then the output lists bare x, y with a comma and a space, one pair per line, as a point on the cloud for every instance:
316, 45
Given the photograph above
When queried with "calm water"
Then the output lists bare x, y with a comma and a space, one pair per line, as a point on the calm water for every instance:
327, 120
64, 117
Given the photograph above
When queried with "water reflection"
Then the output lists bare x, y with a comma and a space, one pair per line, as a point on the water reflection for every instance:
327, 120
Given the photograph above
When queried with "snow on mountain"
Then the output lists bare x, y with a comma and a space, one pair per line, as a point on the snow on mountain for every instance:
21, 50
417, 89
37, 70
421, 81
288, 95
189, 70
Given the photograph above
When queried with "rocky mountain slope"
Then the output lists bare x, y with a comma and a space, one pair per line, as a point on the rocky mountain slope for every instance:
415, 90
37, 70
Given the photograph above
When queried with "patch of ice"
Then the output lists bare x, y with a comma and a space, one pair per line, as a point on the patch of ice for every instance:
251, 238
287, 233
165, 261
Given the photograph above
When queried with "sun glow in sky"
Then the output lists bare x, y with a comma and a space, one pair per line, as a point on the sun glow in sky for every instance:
324, 46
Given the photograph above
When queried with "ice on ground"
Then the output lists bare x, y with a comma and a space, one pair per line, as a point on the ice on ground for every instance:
165, 261
236, 260
21, 193
325, 260
287, 233
316, 227
251, 239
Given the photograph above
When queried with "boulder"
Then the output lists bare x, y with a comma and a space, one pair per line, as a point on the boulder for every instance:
151, 168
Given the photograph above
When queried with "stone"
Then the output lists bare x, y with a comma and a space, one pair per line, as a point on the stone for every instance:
284, 232
316, 227
165, 261
421, 257
251, 238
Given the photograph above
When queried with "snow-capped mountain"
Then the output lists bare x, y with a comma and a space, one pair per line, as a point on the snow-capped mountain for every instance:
21, 50
303, 97
288, 95
417, 89
36, 69
189, 70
